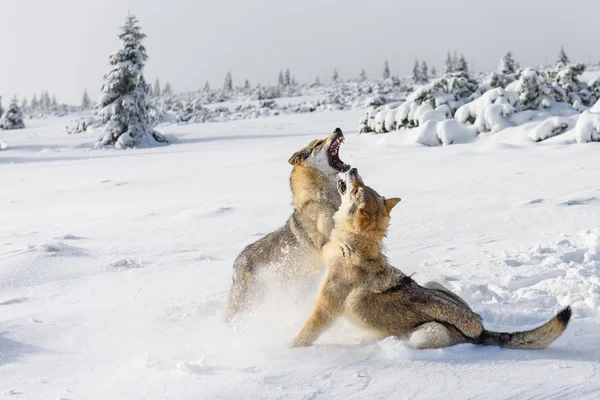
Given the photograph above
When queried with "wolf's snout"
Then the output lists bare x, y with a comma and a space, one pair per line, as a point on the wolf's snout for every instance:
353, 172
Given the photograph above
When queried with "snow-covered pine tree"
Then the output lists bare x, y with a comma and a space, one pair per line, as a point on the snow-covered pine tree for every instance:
317, 82
24, 104
34, 103
54, 103
156, 90
1, 109
206, 88
228, 82
363, 76
13, 117
507, 64
424, 72
335, 76
448, 66
433, 72
123, 104
454, 61
287, 78
85, 101
416, 73
167, 90
461, 64
45, 101
280, 80
562, 57
247, 84
386, 70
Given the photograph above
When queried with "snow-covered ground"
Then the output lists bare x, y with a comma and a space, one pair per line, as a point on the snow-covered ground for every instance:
115, 265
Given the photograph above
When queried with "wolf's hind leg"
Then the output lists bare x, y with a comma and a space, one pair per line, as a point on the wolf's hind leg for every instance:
442, 288
244, 288
433, 335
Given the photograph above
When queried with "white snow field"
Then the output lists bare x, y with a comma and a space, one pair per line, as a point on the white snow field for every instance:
115, 265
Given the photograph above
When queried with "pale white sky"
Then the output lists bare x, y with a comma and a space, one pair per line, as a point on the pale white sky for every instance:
62, 45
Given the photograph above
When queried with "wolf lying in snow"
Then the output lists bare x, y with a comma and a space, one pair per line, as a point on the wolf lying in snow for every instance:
294, 250
363, 286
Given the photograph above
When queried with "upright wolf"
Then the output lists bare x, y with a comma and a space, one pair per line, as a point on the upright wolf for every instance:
294, 250
363, 286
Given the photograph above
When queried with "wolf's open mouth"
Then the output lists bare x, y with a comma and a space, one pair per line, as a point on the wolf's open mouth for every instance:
342, 186
333, 154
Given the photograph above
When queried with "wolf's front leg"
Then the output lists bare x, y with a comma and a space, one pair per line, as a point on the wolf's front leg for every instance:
321, 318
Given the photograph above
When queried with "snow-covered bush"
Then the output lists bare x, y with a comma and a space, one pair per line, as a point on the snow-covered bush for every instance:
122, 105
490, 112
82, 124
567, 77
12, 117
587, 128
443, 95
534, 89
548, 128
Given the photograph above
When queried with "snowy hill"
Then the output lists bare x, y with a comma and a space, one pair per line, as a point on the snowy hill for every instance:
115, 265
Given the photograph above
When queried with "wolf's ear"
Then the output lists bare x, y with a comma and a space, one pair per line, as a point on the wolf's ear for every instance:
302, 154
299, 156
361, 220
391, 203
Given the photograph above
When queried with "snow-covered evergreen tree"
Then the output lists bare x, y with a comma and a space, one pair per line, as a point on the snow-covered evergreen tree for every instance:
34, 103
123, 104
534, 90
287, 78
246, 84
454, 61
206, 88
316, 83
13, 117
448, 65
1, 109
416, 73
335, 76
167, 90
562, 57
280, 79
228, 82
461, 64
363, 75
386, 70
433, 72
507, 64
24, 104
85, 101
54, 103
156, 90
45, 101
424, 72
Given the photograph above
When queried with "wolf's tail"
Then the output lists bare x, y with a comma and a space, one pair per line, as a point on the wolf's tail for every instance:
538, 338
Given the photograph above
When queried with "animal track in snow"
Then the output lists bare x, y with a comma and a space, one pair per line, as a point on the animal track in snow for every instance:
15, 300
579, 202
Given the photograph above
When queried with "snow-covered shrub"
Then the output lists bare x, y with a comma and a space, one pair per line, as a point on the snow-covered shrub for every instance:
587, 128
449, 92
567, 77
548, 128
534, 89
123, 104
82, 124
453, 132
445, 132
12, 117
491, 112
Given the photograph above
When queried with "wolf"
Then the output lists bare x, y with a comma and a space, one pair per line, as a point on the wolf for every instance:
294, 250
361, 285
